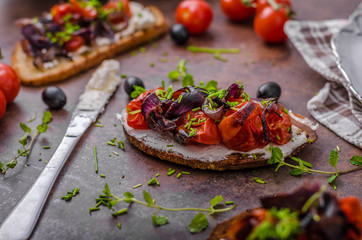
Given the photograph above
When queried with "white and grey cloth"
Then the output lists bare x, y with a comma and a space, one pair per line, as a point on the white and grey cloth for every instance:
334, 106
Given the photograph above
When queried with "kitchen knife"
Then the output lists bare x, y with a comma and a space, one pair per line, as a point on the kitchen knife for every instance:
103, 83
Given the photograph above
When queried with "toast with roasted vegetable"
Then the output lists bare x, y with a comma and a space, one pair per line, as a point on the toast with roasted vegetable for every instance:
78, 34
308, 213
213, 129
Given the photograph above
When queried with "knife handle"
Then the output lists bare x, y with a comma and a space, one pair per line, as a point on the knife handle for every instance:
21, 221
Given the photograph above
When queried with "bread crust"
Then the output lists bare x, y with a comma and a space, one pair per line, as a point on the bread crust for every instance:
234, 161
30, 75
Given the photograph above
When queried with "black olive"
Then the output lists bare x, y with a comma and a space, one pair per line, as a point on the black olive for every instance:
131, 82
54, 97
269, 90
179, 34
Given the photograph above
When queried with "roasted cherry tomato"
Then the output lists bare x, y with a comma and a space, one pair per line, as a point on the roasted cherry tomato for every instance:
74, 43
236, 10
279, 125
261, 4
197, 127
135, 119
2, 104
59, 11
195, 15
352, 209
242, 130
9, 82
118, 6
269, 24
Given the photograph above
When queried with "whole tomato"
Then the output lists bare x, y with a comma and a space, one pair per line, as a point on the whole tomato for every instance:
236, 10
2, 104
261, 4
195, 15
9, 82
269, 24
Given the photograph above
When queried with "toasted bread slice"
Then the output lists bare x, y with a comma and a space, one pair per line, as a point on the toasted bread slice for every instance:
30, 75
216, 157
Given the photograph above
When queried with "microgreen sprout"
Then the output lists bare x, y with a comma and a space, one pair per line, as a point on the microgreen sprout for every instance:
41, 128
197, 224
306, 167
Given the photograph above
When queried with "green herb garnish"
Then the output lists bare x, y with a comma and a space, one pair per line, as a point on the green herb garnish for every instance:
95, 159
70, 194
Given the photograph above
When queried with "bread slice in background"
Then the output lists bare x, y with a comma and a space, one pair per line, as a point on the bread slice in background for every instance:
30, 75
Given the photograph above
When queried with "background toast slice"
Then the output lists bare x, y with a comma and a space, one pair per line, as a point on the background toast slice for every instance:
30, 75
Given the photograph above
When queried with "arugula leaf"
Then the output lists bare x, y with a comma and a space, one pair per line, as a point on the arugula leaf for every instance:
296, 172
356, 160
307, 164
211, 86
148, 198
159, 220
198, 223
277, 156
333, 158
174, 75
106, 191
216, 200
188, 80
24, 139
128, 197
25, 128
42, 128
47, 117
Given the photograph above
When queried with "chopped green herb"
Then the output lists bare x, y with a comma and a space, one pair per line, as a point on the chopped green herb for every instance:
170, 172
310, 141
259, 180
254, 156
70, 194
153, 181
142, 49
115, 153
196, 109
46, 147
98, 125
152, 64
111, 143
119, 225
187, 173
170, 145
229, 202
46, 162
164, 60
119, 212
178, 175
286, 111
102, 175
134, 53
123, 75
92, 209
137, 186
157, 174
95, 159
278, 137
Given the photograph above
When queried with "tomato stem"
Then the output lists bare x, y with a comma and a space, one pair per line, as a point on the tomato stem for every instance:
274, 4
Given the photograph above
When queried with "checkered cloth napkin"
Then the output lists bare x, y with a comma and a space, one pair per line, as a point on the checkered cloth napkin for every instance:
334, 106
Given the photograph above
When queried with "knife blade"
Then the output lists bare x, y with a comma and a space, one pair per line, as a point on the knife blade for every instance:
103, 83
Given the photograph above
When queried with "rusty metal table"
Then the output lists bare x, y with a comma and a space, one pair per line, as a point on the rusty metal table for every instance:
257, 63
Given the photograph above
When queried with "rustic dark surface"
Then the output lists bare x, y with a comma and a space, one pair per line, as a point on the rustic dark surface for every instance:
71, 220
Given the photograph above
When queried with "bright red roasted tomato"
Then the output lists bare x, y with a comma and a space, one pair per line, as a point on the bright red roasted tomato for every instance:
279, 126
74, 43
117, 6
195, 15
236, 10
199, 128
352, 209
59, 11
242, 130
135, 119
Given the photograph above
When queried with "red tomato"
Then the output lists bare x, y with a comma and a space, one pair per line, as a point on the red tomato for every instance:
206, 132
9, 82
2, 104
279, 126
195, 15
243, 129
74, 44
116, 7
135, 119
59, 11
352, 209
236, 10
261, 4
269, 24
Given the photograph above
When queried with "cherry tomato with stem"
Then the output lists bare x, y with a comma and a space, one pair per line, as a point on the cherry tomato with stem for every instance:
195, 15
9, 82
261, 4
2, 104
269, 24
236, 10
